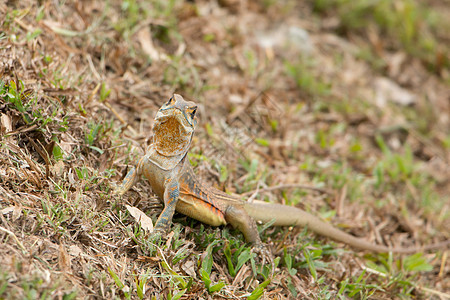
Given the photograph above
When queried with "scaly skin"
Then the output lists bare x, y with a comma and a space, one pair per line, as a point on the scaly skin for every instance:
171, 177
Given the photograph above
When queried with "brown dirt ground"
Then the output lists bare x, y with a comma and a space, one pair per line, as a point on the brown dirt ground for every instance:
62, 232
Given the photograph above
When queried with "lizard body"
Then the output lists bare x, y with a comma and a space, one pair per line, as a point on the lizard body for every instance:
171, 177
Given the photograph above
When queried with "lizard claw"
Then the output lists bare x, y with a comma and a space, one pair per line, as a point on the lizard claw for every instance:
117, 189
157, 234
265, 256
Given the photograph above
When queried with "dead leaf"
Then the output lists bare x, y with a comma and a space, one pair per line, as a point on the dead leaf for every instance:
63, 259
74, 250
387, 90
438, 168
150, 259
189, 268
6, 123
145, 38
395, 63
58, 168
16, 212
7, 210
141, 217
66, 144
71, 177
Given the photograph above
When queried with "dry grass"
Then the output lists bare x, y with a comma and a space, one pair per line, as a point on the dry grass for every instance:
80, 85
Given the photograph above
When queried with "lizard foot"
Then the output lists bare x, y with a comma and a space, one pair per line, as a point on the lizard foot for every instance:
265, 256
157, 235
117, 190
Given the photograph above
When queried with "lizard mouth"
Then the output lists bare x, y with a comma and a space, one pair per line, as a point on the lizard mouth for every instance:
172, 118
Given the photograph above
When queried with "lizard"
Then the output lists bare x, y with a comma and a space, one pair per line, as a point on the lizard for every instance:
168, 170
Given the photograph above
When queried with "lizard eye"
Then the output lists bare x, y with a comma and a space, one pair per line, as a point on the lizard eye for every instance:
192, 110
171, 101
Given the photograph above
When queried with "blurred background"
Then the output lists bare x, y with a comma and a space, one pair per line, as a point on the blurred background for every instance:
349, 98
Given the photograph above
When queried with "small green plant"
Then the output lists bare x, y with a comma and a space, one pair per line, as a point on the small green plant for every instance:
83, 173
140, 286
183, 76
324, 139
34, 34
289, 262
104, 92
259, 290
40, 13
241, 256
310, 261
177, 280
357, 287
401, 273
14, 93
302, 73
119, 283
96, 132
24, 101
57, 153
205, 270
446, 142
55, 215
398, 167
416, 263
3, 36
252, 62
205, 236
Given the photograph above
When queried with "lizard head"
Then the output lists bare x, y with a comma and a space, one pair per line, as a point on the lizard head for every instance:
174, 126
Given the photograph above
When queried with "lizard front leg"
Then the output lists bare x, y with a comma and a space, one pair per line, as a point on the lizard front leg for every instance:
171, 194
130, 180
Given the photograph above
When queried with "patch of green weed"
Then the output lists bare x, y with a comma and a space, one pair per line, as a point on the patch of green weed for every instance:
407, 22
302, 72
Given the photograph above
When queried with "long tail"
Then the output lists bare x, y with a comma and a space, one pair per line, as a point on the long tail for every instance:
292, 216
